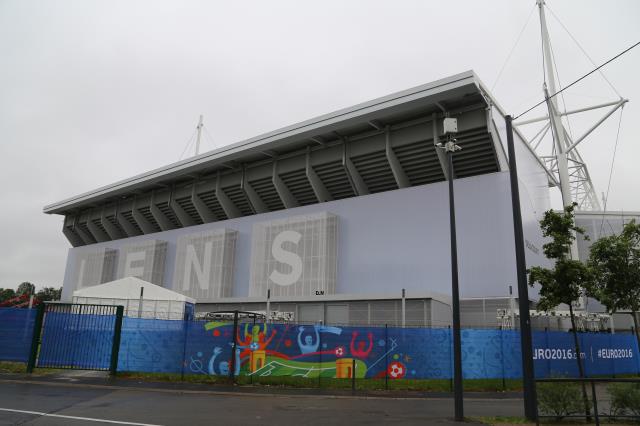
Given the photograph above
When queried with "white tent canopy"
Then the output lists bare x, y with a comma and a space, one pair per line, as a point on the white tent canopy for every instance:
156, 301
129, 288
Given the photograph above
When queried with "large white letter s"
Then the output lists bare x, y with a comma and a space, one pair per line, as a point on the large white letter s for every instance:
283, 256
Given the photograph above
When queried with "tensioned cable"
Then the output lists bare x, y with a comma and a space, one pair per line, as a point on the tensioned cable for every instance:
206, 131
564, 102
613, 159
189, 142
583, 51
578, 80
513, 48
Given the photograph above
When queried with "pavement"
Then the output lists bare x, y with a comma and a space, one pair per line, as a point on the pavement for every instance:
78, 398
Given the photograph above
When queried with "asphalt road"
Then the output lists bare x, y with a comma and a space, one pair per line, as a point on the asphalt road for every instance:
66, 404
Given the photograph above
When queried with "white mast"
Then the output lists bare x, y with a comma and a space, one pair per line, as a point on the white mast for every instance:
199, 127
559, 136
564, 161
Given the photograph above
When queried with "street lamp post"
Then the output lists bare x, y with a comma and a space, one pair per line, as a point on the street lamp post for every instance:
450, 147
526, 344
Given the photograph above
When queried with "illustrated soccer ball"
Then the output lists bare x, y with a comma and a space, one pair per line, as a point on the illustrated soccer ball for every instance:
396, 370
339, 351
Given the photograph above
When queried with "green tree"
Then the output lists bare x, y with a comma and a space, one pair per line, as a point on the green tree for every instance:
564, 283
615, 261
6, 294
49, 293
26, 288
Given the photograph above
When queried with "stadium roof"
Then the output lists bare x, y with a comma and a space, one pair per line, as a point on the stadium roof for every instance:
384, 144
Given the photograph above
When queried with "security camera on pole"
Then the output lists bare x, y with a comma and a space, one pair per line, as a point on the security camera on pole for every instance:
450, 128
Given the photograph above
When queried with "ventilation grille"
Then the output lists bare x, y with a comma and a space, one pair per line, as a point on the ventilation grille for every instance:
72, 236
335, 179
169, 214
114, 222
210, 199
146, 212
128, 215
98, 224
477, 155
375, 171
420, 162
267, 192
300, 187
188, 207
83, 226
236, 194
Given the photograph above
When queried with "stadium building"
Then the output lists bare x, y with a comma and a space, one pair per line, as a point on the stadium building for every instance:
332, 217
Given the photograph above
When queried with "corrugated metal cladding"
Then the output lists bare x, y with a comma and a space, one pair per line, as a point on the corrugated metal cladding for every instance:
372, 312
381, 155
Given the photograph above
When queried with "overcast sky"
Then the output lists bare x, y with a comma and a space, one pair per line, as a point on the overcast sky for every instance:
96, 91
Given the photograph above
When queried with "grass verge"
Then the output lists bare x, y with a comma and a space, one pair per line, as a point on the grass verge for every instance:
432, 385
21, 368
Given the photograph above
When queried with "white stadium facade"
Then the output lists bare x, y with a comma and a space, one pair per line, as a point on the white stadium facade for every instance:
333, 217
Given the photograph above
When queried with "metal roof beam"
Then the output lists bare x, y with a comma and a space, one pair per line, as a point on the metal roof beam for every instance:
396, 168
229, 208
99, 235
113, 231
163, 221
86, 237
129, 229
358, 184
203, 211
71, 235
283, 192
575, 111
184, 219
376, 124
141, 221
316, 183
254, 199
318, 140
597, 124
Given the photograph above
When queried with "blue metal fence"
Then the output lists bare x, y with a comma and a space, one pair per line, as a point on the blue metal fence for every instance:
16, 332
205, 347
77, 340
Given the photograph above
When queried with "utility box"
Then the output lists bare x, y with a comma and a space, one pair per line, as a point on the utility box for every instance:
450, 125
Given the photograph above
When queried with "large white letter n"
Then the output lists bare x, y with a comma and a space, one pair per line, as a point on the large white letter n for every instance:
283, 256
191, 262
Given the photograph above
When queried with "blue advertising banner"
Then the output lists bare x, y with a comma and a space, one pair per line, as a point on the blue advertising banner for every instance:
201, 347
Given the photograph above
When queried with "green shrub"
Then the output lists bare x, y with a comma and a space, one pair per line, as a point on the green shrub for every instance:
559, 399
625, 399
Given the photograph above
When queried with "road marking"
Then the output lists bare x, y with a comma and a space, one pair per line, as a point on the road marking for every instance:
89, 419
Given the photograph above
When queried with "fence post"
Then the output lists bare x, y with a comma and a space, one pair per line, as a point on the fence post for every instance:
386, 357
232, 361
504, 384
184, 347
115, 348
353, 377
320, 360
35, 339
450, 360
595, 403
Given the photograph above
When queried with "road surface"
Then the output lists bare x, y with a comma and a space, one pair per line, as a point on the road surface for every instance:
28, 403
